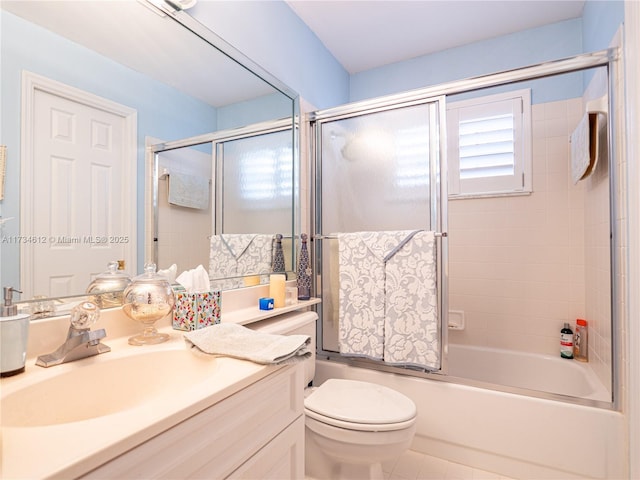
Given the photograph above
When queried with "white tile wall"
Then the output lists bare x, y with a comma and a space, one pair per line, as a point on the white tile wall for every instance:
183, 234
521, 266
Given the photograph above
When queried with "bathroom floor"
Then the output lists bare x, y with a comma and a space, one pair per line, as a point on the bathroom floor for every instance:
417, 466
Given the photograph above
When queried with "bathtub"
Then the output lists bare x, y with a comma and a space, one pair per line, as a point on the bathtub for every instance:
541, 373
515, 435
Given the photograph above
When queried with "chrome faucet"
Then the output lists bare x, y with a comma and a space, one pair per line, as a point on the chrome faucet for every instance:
81, 340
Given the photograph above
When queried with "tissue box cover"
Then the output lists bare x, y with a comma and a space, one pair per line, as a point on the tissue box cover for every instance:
196, 310
184, 312
208, 306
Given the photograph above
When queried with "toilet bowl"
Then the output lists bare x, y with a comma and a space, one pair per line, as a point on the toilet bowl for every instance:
351, 426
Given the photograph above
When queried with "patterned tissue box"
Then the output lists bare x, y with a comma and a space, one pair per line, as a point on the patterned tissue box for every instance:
196, 310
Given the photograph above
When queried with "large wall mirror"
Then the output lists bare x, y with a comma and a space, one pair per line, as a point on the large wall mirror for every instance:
135, 134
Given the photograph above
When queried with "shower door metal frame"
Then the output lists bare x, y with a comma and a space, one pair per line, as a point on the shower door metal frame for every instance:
437, 209
603, 58
216, 139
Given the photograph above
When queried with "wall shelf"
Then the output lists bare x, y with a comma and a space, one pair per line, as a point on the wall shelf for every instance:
245, 316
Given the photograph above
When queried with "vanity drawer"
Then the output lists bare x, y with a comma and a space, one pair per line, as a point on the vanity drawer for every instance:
218, 440
282, 457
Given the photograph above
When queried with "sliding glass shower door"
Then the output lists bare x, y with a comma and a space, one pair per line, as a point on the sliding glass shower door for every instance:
377, 169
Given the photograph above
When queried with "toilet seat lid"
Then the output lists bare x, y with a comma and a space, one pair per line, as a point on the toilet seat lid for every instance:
360, 402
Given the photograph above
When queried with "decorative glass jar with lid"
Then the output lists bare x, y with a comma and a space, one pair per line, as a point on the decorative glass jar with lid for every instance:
107, 288
148, 299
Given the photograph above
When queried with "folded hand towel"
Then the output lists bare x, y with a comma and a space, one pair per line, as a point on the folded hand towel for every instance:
584, 148
189, 191
232, 340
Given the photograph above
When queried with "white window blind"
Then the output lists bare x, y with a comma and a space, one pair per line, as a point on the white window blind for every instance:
412, 152
258, 171
489, 145
266, 174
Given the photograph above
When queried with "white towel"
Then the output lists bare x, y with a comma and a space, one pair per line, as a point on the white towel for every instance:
189, 191
232, 340
387, 297
585, 146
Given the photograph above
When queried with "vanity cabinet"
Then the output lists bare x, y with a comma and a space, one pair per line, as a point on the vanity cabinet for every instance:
257, 432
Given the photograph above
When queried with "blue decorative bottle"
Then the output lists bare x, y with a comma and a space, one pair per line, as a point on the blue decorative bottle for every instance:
304, 271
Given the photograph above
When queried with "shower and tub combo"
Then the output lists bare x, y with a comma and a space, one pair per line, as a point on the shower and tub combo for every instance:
519, 263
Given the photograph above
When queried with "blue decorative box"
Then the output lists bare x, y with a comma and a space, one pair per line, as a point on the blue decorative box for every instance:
266, 303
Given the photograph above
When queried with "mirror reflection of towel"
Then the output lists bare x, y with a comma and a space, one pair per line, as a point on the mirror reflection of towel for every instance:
189, 191
239, 254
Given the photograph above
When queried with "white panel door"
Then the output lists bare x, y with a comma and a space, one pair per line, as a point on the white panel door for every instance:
80, 213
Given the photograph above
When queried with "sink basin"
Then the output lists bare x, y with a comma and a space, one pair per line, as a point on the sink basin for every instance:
104, 387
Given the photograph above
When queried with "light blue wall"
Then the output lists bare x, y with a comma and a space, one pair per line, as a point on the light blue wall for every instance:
507, 52
592, 32
600, 21
257, 110
163, 112
275, 38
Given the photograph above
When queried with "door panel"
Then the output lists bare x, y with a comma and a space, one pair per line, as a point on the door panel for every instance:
79, 155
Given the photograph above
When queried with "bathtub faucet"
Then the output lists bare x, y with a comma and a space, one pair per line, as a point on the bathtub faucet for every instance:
81, 341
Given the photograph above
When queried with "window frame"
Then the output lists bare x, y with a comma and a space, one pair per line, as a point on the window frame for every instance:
520, 182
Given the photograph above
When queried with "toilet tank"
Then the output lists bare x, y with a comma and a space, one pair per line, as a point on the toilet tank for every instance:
293, 323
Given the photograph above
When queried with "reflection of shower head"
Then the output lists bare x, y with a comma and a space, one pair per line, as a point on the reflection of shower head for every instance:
350, 148
348, 152
339, 142
370, 144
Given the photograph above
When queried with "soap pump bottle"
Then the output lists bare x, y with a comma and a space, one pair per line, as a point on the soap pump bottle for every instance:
14, 333
566, 342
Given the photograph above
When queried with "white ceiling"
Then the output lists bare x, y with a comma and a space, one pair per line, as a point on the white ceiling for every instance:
364, 34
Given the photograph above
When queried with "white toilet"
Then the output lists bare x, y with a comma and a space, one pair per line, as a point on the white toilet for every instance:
351, 426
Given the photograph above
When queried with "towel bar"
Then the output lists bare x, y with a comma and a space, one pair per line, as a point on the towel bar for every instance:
335, 237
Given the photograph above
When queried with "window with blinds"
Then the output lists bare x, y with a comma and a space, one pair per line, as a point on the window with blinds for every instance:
258, 173
490, 145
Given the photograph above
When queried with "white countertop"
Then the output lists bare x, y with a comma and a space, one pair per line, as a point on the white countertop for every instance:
71, 449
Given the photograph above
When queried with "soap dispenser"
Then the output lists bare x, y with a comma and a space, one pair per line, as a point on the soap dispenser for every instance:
14, 333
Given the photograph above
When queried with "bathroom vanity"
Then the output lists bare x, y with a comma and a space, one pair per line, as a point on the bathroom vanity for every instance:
160, 411
255, 432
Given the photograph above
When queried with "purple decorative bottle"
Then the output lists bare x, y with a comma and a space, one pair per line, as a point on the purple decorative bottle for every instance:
304, 271
278, 256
